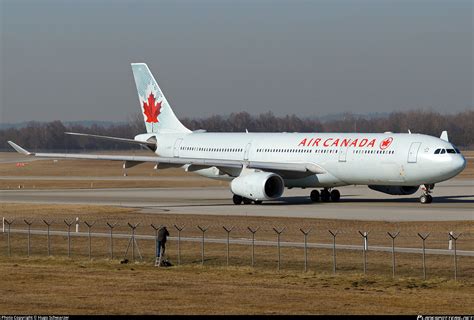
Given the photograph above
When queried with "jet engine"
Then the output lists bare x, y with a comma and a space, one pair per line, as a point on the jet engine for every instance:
258, 186
395, 190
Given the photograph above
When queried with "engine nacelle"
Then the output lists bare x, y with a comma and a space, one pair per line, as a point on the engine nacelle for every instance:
258, 186
395, 190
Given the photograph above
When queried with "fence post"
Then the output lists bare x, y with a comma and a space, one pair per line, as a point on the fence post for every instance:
423, 238
279, 232
133, 241
393, 236
305, 234
203, 229
179, 228
334, 234
49, 240
253, 231
9, 224
89, 226
365, 248
29, 223
156, 228
455, 239
68, 224
228, 230
77, 224
111, 226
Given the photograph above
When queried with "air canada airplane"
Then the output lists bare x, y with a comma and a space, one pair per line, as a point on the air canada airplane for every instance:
261, 165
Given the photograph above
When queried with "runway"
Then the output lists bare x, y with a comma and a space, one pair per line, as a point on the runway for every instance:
453, 201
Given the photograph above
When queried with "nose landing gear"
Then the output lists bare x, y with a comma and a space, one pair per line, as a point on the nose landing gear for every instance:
426, 196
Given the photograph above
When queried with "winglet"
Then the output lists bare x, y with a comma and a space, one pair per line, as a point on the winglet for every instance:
20, 149
444, 136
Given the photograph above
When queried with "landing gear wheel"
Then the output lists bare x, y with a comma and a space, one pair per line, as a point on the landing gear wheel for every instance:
258, 202
426, 198
314, 195
247, 201
325, 195
335, 195
237, 199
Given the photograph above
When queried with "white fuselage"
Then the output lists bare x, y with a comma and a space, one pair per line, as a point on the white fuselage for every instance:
347, 158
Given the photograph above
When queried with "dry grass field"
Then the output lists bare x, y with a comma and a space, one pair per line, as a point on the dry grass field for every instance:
62, 286
56, 284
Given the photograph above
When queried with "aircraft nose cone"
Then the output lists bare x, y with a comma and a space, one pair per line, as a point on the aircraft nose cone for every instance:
459, 163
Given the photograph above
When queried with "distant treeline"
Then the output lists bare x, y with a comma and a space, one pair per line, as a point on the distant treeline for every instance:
50, 136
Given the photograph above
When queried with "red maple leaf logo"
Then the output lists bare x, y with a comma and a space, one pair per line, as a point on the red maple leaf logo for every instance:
152, 109
386, 143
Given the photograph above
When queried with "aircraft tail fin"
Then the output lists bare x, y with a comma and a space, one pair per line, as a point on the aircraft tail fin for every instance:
157, 113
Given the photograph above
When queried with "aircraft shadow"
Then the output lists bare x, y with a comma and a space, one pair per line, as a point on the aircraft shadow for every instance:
304, 200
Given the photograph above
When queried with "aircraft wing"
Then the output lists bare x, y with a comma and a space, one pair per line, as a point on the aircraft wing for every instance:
304, 167
145, 143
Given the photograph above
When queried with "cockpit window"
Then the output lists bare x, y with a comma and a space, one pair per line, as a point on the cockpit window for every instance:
437, 151
457, 150
450, 151
443, 151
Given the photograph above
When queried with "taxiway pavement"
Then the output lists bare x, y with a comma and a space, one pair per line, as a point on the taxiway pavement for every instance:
453, 201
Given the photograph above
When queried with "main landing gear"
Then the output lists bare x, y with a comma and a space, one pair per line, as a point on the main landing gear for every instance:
239, 200
426, 196
325, 195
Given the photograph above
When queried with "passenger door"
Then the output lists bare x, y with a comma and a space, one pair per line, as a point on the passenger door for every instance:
413, 152
177, 145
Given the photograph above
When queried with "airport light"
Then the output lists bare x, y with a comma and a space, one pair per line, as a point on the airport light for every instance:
48, 224
453, 237
203, 230
228, 230
365, 248
305, 234
111, 226
393, 236
334, 235
279, 232
253, 231
423, 238
89, 226
179, 228
29, 223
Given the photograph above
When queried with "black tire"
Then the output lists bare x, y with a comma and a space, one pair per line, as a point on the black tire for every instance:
424, 199
325, 195
237, 199
314, 196
335, 195
247, 201
430, 198
258, 202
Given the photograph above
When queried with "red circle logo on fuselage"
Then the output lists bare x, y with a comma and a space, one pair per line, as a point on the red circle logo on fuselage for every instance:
386, 143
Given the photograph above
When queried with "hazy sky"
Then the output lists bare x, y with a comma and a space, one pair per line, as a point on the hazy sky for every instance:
70, 60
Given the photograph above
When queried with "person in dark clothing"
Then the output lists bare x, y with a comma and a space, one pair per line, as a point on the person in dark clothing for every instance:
161, 244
